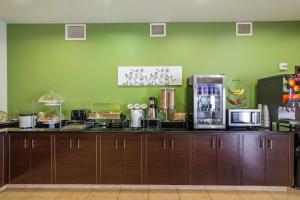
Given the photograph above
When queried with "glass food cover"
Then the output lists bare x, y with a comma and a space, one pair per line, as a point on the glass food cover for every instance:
209, 101
51, 98
105, 111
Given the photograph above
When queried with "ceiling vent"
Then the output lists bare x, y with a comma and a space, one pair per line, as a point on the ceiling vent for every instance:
244, 28
75, 32
158, 30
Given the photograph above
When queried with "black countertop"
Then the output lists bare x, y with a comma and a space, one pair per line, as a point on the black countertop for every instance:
128, 130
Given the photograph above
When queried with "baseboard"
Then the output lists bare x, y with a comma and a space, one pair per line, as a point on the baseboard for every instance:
143, 187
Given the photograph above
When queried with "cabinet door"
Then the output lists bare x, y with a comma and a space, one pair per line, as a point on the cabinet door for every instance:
204, 160
179, 159
253, 159
131, 159
157, 165
277, 160
66, 169
228, 159
4, 159
41, 159
19, 159
87, 158
111, 159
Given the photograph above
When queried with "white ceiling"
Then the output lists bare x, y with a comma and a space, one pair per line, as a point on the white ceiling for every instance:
108, 11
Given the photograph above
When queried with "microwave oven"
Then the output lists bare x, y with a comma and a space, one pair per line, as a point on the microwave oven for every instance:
244, 118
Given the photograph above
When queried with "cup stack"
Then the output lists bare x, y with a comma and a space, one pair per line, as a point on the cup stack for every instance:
266, 117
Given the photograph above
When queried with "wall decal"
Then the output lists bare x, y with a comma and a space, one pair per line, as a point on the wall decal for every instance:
149, 75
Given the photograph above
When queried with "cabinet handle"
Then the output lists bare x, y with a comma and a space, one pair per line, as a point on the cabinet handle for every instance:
220, 143
164, 143
124, 144
262, 143
212, 143
172, 144
25, 143
32, 144
78, 143
270, 143
116, 144
71, 144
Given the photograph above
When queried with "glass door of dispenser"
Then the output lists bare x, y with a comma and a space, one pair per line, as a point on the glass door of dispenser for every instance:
209, 99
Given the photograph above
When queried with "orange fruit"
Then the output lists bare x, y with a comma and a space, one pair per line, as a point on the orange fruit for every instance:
296, 88
292, 82
296, 96
285, 98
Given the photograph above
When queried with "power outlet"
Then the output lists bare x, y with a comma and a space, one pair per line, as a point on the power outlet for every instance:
283, 66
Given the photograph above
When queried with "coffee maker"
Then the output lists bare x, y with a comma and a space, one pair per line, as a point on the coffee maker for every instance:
152, 108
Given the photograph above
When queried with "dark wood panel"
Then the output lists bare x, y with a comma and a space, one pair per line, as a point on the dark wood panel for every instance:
111, 159
87, 158
228, 159
157, 159
2, 160
41, 159
131, 159
204, 160
179, 159
19, 159
254, 159
66, 169
277, 160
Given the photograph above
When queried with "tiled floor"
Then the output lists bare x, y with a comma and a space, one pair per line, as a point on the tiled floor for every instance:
101, 194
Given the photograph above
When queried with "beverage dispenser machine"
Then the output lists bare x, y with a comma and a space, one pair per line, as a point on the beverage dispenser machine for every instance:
206, 101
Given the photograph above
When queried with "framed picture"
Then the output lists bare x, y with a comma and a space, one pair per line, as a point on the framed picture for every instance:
149, 75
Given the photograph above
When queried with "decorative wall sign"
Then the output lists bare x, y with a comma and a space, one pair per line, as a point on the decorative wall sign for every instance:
149, 75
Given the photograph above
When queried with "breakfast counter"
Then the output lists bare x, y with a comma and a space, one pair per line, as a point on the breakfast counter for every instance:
142, 130
147, 156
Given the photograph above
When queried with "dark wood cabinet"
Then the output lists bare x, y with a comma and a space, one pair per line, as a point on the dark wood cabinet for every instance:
179, 159
228, 159
75, 158
30, 159
131, 159
253, 159
215, 159
168, 159
204, 160
41, 159
266, 159
121, 159
2, 158
111, 159
65, 159
157, 163
19, 159
277, 160
86, 158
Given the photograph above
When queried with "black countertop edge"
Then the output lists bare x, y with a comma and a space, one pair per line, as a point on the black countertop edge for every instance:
126, 130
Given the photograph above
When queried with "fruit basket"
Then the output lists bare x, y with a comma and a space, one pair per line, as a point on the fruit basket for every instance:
291, 90
237, 94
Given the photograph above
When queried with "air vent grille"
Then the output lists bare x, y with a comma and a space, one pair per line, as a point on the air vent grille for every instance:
158, 30
244, 28
75, 32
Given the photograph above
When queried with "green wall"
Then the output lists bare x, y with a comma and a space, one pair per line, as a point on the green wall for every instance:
40, 60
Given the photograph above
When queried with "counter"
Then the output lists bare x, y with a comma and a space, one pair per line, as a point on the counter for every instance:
147, 156
128, 130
